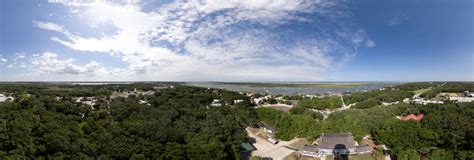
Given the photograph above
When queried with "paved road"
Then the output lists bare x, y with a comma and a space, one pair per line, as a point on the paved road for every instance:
265, 148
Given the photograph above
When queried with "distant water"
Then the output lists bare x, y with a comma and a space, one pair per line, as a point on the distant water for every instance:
366, 86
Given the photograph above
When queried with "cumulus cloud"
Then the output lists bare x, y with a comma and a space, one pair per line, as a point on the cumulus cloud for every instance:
214, 40
49, 63
2, 60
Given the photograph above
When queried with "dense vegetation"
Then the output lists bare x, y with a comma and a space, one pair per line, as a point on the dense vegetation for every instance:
289, 126
388, 95
177, 124
446, 132
368, 103
417, 85
321, 103
45, 121
451, 88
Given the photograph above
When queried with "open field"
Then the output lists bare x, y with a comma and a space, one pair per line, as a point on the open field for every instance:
361, 157
420, 91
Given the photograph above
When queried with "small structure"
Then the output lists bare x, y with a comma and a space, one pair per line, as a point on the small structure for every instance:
237, 101
418, 117
148, 93
89, 101
144, 102
257, 101
269, 129
337, 145
246, 147
216, 103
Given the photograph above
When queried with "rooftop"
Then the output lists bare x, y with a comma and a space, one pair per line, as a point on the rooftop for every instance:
336, 141
363, 148
310, 148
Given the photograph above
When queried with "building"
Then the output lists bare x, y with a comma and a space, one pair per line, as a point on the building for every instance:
269, 129
237, 101
144, 102
418, 117
461, 99
337, 145
246, 147
216, 103
425, 102
4, 98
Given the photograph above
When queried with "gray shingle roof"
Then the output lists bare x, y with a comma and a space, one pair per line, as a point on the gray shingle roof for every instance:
310, 148
363, 148
336, 141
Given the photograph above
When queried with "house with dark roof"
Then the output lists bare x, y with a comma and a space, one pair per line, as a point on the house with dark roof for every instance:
339, 144
246, 147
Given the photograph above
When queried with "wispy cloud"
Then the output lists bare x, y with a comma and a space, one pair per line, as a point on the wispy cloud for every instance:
218, 40
396, 19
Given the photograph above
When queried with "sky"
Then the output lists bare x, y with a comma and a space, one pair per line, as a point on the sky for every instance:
237, 40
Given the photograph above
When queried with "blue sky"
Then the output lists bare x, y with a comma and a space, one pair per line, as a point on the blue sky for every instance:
246, 40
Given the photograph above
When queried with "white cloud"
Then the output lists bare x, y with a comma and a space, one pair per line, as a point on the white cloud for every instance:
51, 26
397, 18
2, 60
48, 63
211, 40
19, 56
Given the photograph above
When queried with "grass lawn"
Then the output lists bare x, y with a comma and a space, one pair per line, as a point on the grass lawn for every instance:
420, 91
361, 157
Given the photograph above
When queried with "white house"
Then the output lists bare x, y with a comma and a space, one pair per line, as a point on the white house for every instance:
461, 99
216, 103
4, 98
237, 101
425, 102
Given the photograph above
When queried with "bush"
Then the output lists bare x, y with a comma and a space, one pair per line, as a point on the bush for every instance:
369, 103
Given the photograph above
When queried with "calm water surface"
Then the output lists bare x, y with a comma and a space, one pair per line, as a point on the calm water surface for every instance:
291, 90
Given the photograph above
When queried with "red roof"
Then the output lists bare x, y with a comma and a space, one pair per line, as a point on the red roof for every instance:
418, 117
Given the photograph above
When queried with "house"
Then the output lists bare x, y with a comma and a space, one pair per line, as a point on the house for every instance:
269, 129
148, 93
461, 99
425, 102
246, 147
418, 117
237, 101
216, 103
257, 100
4, 98
90, 101
339, 144
143, 102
